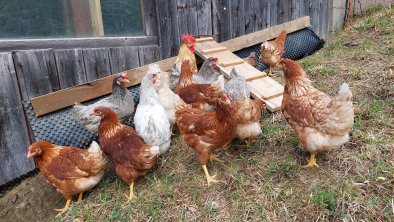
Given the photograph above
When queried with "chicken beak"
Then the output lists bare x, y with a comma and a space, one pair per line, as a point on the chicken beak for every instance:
93, 113
126, 80
29, 155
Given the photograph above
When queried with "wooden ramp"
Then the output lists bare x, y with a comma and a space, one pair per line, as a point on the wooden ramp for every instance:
261, 86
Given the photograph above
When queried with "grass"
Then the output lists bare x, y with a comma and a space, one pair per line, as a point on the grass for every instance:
265, 182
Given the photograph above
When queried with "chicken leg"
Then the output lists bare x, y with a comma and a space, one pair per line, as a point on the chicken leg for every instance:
80, 197
209, 178
312, 161
64, 209
131, 196
270, 72
215, 157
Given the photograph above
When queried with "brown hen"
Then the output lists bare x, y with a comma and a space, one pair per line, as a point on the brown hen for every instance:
321, 123
70, 169
131, 156
272, 51
207, 131
201, 96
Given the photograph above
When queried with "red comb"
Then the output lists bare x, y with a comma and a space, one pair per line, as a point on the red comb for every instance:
188, 38
124, 74
215, 59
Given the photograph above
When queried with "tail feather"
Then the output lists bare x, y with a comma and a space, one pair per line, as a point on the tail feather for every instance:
94, 147
344, 93
281, 38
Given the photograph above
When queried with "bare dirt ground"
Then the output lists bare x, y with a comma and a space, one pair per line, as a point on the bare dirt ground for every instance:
265, 181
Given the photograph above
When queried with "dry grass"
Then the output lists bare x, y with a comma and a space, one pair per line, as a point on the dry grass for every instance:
265, 182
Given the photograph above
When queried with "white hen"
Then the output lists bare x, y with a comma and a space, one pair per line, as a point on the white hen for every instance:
150, 118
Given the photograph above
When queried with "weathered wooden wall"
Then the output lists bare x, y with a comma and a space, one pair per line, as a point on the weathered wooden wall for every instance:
227, 19
50, 65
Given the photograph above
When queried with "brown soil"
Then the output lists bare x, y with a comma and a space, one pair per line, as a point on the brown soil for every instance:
32, 200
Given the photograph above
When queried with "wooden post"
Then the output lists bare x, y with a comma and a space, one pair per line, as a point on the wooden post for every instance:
96, 17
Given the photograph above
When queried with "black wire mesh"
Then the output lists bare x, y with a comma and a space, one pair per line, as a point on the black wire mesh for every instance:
298, 45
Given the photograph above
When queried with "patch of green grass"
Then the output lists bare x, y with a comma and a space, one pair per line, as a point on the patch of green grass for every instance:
325, 198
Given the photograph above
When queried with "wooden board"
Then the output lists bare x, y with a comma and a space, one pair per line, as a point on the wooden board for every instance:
70, 67
14, 136
246, 70
265, 88
64, 98
123, 58
97, 63
37, 74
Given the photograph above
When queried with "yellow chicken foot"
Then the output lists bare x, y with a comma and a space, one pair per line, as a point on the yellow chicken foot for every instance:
270, 72
131, 196
312, 161
80, 197
62, 210
215, 157
209, 178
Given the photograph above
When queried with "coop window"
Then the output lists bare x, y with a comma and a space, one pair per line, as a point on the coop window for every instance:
21, 19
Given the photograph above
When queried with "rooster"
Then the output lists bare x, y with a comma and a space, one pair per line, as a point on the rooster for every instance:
206, 74
248, 111
321, 123
150, 118
131, 156
121, 101
186, 52
273, 51
207, 131
71, 170
201, 96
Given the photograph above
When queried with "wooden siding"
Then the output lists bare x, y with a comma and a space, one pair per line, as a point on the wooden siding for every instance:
233, 18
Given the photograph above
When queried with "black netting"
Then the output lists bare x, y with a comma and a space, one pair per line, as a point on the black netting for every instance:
298, 44
60, 128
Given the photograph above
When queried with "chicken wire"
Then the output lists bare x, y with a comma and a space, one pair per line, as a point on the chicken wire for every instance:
298, 45
60, 128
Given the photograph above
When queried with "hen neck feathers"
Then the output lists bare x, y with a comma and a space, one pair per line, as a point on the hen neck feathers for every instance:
299, 85
148, 94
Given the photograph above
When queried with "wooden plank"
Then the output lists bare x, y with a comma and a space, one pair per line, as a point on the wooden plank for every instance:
209, 51
36, 71
273, 104
70, 43
274, 12
200, 46
54, 101
182, 14
252, 15
324, 19
227, 63
204, 39
315, 14
265, 13
70, 67
96, 17
224, 20
123, 58
149, 17
14, 136
148, 54
168, 27
99, 87
97, 63
265, 88
192, 17
266, 34
238, 18
216, 21
204, 17
245, 70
